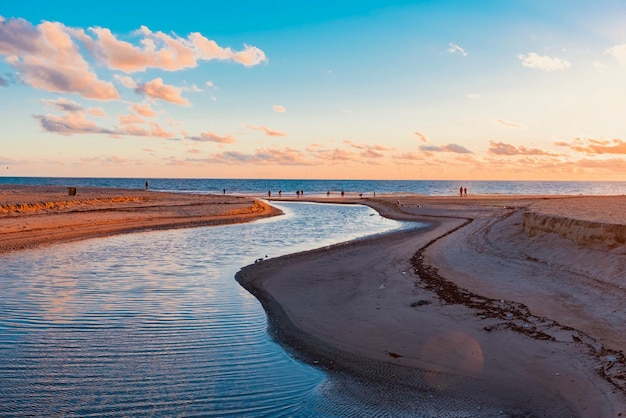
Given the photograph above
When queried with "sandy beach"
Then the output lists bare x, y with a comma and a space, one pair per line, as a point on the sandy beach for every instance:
513, 302
495, 303
31, 216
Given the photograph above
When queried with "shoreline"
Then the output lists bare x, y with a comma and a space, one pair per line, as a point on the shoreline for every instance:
504, 341
32, 216
482, 307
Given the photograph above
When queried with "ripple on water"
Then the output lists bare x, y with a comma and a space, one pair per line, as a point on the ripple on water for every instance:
155, 324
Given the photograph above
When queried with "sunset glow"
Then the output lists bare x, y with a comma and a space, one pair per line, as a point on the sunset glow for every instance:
515, 90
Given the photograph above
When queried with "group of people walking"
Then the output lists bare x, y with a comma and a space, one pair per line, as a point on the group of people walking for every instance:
462, 191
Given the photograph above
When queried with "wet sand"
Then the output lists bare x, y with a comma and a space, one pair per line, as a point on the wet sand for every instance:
492, 305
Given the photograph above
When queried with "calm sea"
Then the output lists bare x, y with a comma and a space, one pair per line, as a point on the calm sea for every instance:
351, 187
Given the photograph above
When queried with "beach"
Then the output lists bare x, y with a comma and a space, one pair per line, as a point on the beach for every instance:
489, 303
501, 300
32, 216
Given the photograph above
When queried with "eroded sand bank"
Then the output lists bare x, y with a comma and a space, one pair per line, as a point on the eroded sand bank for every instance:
471, 308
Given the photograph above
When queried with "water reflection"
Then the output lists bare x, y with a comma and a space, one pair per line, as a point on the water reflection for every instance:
154, 323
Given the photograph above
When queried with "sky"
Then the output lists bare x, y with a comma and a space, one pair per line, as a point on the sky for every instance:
364, 89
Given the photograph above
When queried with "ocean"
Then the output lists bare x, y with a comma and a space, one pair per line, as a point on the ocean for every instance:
260, 187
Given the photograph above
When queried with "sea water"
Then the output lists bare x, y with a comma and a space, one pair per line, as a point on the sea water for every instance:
154, 323
260, 187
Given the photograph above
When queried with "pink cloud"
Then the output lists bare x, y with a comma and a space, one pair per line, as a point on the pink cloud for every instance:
47, 58
143, 110
454, 148
279, 109
213, 137
71, 123
375, 147
155, 89
268, 131
267, 156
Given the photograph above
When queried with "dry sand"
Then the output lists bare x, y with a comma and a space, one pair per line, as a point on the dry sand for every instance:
32, 215
473, 307
511, 304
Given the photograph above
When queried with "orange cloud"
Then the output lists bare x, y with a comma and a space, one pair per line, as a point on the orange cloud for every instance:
421, 136
268, 131
500, 148
507, 123
595, 146
279, 109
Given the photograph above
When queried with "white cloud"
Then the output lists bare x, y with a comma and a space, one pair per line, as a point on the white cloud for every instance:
454, 48
619, 53
543, 62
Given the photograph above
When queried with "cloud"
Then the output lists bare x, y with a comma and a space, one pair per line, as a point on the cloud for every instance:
337, 155
454, 148
267, 156
63, 105
213, 137
500, 148
155, 89
71, 123
592, 146
163, 51
143, 110
75, 121
375, 147
619, 53
47, 58
279, 109
454, 48
473, 96
131, 119
268, 131
421, 136
507, 123
209, 83
3, 82
543, 62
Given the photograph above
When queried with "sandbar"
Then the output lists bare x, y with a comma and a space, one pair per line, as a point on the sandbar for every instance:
32, 216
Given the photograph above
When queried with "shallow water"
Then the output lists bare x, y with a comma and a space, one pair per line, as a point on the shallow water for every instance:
155, 324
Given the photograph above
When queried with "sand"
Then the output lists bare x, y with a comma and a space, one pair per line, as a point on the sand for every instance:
496, 308
473, 307
32, 216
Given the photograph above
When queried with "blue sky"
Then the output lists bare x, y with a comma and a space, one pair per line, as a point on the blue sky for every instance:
408, 90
